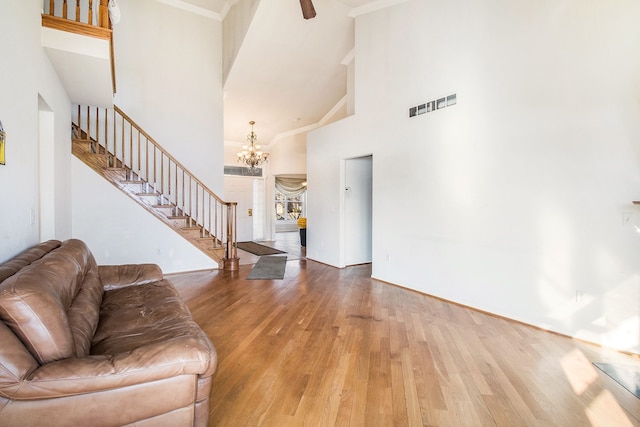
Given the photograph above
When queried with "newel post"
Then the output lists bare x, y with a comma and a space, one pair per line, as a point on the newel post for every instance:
231, 261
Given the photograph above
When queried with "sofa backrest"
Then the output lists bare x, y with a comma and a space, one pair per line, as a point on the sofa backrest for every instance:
53, 304
12, 266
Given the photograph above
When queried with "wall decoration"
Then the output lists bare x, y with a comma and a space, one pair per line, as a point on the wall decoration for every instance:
3, 137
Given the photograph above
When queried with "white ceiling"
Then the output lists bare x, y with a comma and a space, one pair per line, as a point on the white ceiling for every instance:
288, 73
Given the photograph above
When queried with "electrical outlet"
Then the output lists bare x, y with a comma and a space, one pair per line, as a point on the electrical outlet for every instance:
579, 297
627, 218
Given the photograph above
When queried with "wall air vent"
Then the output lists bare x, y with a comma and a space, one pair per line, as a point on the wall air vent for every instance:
242, 171
436, 104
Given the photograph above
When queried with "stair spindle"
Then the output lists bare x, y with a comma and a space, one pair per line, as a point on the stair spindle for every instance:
190, 205
103, 15
155, 178
146, 164
183, 191
131, 146
212, 205
138, 153
215, 219
169, 179
115, 134
89, 121
175, 188
122, 140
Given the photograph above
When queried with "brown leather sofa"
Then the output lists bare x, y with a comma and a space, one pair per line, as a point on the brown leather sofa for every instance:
82, 344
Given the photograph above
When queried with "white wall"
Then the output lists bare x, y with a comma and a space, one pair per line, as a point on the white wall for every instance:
169, 81
26, 73
234, 27
288, 156
513, 199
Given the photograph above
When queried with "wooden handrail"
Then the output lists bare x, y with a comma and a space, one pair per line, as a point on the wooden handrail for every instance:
131, 148
76, 27
163, 150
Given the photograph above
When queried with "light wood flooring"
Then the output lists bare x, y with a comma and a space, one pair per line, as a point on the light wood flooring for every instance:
332, 347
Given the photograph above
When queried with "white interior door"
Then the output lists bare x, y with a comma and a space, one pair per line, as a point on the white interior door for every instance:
358, 210
240, 189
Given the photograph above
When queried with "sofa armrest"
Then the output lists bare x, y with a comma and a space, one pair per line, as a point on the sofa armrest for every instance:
118, 276
181, 356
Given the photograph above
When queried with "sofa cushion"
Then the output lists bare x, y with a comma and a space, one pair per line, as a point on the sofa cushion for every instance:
142, 315
50, 306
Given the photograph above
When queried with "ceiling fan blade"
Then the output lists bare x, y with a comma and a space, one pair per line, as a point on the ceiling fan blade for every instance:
308, 11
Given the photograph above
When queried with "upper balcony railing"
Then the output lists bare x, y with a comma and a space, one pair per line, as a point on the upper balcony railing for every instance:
85, 18
90, 12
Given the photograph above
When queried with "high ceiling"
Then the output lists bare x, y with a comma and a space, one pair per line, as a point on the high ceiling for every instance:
288, 73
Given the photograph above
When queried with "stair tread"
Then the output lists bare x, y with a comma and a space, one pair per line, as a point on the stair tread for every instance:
126, 181
215, 249
163, 206
147, 194
177, 217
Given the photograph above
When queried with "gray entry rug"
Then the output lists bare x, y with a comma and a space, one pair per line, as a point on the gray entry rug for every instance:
625, 375
258, 249
268, 268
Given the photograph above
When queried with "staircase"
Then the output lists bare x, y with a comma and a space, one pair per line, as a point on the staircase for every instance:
109, 142
114, 146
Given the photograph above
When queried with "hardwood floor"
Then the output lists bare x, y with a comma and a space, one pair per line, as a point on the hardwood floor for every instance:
327, 346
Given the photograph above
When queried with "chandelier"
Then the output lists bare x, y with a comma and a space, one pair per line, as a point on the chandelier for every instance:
251, 155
